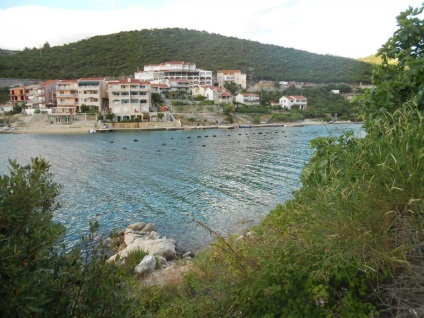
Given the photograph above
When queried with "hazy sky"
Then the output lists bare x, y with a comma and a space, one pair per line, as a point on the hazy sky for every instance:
349, 28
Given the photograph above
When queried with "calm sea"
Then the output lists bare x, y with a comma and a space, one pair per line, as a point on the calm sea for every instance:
227, 179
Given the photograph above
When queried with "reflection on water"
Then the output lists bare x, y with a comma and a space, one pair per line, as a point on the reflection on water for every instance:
227, 179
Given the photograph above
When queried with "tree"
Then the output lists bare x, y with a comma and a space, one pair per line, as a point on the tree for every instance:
232, 87
27, 231
396, 83
39, 276
157, 98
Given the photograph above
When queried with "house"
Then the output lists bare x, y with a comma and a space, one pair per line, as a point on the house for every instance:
248, 99
92, 93
201, 90
218, 94
234, 76
296, 101
129, 99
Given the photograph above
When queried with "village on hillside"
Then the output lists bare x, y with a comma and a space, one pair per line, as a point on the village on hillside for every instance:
149, 99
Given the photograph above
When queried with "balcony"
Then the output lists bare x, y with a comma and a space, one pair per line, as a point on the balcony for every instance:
67, 95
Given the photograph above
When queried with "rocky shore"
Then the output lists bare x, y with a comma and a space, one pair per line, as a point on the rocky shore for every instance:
163, 262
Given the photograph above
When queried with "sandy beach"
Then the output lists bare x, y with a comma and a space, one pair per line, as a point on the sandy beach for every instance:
32, 125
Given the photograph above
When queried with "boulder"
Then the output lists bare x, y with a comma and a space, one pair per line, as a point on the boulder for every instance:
149, 227
147, 265
137, 226
130, 237
161, 247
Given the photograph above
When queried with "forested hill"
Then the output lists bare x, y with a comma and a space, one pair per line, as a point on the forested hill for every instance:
123, 53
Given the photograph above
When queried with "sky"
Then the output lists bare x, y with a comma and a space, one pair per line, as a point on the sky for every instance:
348, 28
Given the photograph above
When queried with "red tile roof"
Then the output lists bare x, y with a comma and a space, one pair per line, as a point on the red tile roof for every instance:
48, 82
229, 71
160, 85
68, 81
295, 97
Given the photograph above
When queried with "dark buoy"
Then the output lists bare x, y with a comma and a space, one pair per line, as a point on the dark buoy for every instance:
135, 140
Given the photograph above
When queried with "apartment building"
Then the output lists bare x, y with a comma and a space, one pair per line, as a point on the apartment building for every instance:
66, 97
129, 99
178, 75
92, 93
42, 95
229, 76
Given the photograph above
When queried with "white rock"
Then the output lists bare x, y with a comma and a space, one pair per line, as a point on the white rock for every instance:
130, 237
149, 227
154, 235
160, 247
147, 265
137, 226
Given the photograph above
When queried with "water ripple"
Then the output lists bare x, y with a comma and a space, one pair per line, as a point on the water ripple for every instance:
229, 180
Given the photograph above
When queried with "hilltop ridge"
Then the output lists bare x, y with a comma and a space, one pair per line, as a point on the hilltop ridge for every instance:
123, 53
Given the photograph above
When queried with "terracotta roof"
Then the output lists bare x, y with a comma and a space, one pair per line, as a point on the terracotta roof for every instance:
68, 81
295, 97
250, 94
226, 94
229, 71
160, 85
48, 82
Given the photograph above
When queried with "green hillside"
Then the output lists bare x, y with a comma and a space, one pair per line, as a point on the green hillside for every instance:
123, 53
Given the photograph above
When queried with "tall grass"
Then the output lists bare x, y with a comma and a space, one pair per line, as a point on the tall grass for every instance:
350, 243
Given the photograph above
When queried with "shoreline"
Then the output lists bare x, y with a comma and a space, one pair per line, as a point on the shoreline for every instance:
86, 130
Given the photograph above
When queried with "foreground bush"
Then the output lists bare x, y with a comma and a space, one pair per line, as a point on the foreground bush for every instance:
39, 276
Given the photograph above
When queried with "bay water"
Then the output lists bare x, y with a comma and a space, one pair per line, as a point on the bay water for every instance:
226, 179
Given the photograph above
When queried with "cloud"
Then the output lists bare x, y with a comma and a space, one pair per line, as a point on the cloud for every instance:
352, 29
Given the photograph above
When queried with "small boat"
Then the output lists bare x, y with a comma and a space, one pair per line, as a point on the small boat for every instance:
93, 131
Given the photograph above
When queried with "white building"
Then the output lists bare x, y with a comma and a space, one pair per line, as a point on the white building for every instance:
248, 99
296, 101
129, 99
177, 74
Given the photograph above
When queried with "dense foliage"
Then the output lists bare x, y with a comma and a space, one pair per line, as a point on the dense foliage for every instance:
348, 244
39, 276
123, 53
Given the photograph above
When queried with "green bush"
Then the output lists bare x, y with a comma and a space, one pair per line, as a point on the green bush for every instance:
39, 276
133, 259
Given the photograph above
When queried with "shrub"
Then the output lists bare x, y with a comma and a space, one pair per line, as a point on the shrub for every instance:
133, 259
